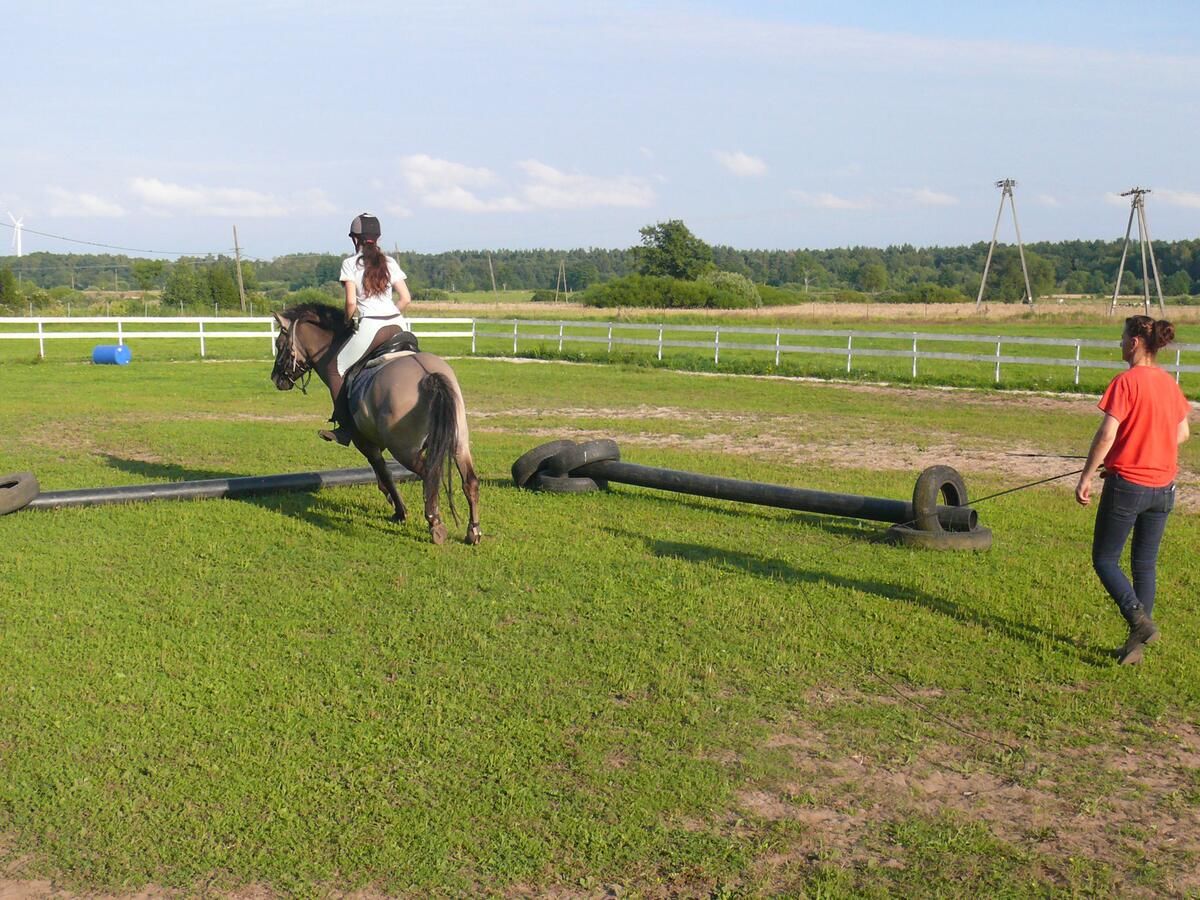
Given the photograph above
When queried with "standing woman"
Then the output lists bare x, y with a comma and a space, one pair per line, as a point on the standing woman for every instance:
1145, 421
369, 277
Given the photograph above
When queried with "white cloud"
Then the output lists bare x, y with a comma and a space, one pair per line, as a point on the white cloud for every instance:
68, 204
1188, 199
928, 197
741, 164
166, 198
1113, 199
444, 184
825, 200
549, 188
1047, 200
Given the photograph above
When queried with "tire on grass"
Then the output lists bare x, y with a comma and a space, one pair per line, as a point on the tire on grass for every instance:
571, 458
17, 490
932, 484
563, 484
978, 539
525, 466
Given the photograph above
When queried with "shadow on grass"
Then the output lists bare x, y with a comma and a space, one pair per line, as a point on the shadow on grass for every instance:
299, 504
778, 569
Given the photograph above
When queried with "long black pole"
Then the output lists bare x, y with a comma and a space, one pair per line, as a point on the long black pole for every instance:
953, 518
213, 487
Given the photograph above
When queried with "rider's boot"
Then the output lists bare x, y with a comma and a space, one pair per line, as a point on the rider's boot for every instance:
344, 432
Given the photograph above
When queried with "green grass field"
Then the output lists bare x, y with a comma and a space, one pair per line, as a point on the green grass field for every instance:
623, 692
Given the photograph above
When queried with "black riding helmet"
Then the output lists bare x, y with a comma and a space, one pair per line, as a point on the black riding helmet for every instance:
365, 227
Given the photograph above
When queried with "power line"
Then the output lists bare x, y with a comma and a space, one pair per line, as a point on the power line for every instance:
71, 240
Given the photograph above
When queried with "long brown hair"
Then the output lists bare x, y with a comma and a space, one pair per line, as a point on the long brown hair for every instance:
377, 277
1154, 334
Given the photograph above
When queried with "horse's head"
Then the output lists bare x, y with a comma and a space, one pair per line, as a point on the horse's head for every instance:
291, 361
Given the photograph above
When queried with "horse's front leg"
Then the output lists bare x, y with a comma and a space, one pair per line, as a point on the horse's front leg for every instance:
383, 477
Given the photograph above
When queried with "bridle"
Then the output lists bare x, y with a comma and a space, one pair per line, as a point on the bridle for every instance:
288, 364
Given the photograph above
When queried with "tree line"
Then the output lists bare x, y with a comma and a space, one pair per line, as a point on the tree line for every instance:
1076, 267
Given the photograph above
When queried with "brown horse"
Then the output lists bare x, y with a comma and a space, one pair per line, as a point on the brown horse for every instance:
410, 405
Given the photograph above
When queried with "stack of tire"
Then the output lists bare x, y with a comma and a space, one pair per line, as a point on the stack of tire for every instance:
550, 466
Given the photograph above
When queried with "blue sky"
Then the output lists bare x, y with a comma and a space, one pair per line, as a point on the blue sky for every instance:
469, 124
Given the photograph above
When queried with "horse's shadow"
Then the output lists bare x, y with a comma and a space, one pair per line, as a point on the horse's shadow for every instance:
780, 570
298, 504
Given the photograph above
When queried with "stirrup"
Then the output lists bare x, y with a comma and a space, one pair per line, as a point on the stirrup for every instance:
338, 435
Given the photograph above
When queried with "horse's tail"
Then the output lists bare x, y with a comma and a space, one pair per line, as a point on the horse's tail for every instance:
441, 443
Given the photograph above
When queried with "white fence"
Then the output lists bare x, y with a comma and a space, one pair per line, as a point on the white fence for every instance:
775, 342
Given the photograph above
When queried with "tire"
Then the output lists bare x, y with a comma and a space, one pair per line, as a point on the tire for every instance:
525, 467
931, 485
16, 491
980, 539
560, 484
571, 458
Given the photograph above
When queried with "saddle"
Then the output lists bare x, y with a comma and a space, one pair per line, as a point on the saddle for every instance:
389, 343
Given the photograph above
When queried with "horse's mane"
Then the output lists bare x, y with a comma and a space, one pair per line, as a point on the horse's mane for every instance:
323, 315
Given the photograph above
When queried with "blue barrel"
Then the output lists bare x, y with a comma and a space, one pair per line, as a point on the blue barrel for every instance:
108, 355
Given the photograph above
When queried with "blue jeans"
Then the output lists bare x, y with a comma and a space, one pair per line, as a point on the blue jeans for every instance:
1125, 507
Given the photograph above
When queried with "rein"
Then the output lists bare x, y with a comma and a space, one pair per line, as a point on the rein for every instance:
289, 364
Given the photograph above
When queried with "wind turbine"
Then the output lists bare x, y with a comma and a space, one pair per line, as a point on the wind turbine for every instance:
16, 238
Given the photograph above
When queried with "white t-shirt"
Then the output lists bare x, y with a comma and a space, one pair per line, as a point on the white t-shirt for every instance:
379, 304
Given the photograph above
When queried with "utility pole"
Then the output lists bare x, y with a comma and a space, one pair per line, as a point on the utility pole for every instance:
237, 254
561, 280
1137, 206
1006, 186
492, 271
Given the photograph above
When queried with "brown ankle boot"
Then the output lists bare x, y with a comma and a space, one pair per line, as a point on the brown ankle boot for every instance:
1142, 631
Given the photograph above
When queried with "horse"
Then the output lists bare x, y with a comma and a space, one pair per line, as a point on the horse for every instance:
410, 405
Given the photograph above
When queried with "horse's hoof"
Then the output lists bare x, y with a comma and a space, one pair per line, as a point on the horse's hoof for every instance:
399, 517
474, 535
438, 533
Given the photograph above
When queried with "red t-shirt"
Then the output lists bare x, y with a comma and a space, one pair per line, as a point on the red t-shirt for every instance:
1149, 405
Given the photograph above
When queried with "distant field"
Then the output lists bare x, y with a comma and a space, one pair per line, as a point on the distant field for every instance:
619, 692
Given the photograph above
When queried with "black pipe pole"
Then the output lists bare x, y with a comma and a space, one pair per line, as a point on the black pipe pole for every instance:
952, 518
214, 487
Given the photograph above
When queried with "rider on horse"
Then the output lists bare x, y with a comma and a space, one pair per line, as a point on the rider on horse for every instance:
369, 277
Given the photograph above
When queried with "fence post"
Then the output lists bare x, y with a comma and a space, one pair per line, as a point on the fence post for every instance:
849, 351
474, 322
560, 336
777, 349
272, 324
610, 337
914, 375
42, 342
1177, 365
997, 362
515, 336
201, 338
660, 339
1076, 362
120, 334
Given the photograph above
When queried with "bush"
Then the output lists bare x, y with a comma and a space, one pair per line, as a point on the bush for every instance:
545, 296
782, 296
309, 295
430, 295
924, 293
654, 292
736, 284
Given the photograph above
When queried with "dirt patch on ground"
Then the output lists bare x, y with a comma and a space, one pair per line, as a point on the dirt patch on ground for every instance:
1109, 804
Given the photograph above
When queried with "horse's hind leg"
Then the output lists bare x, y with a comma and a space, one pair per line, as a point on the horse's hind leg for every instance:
437, 528
470, 484
383, 476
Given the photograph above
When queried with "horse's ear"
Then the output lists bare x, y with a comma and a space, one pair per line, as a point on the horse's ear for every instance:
284, 322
